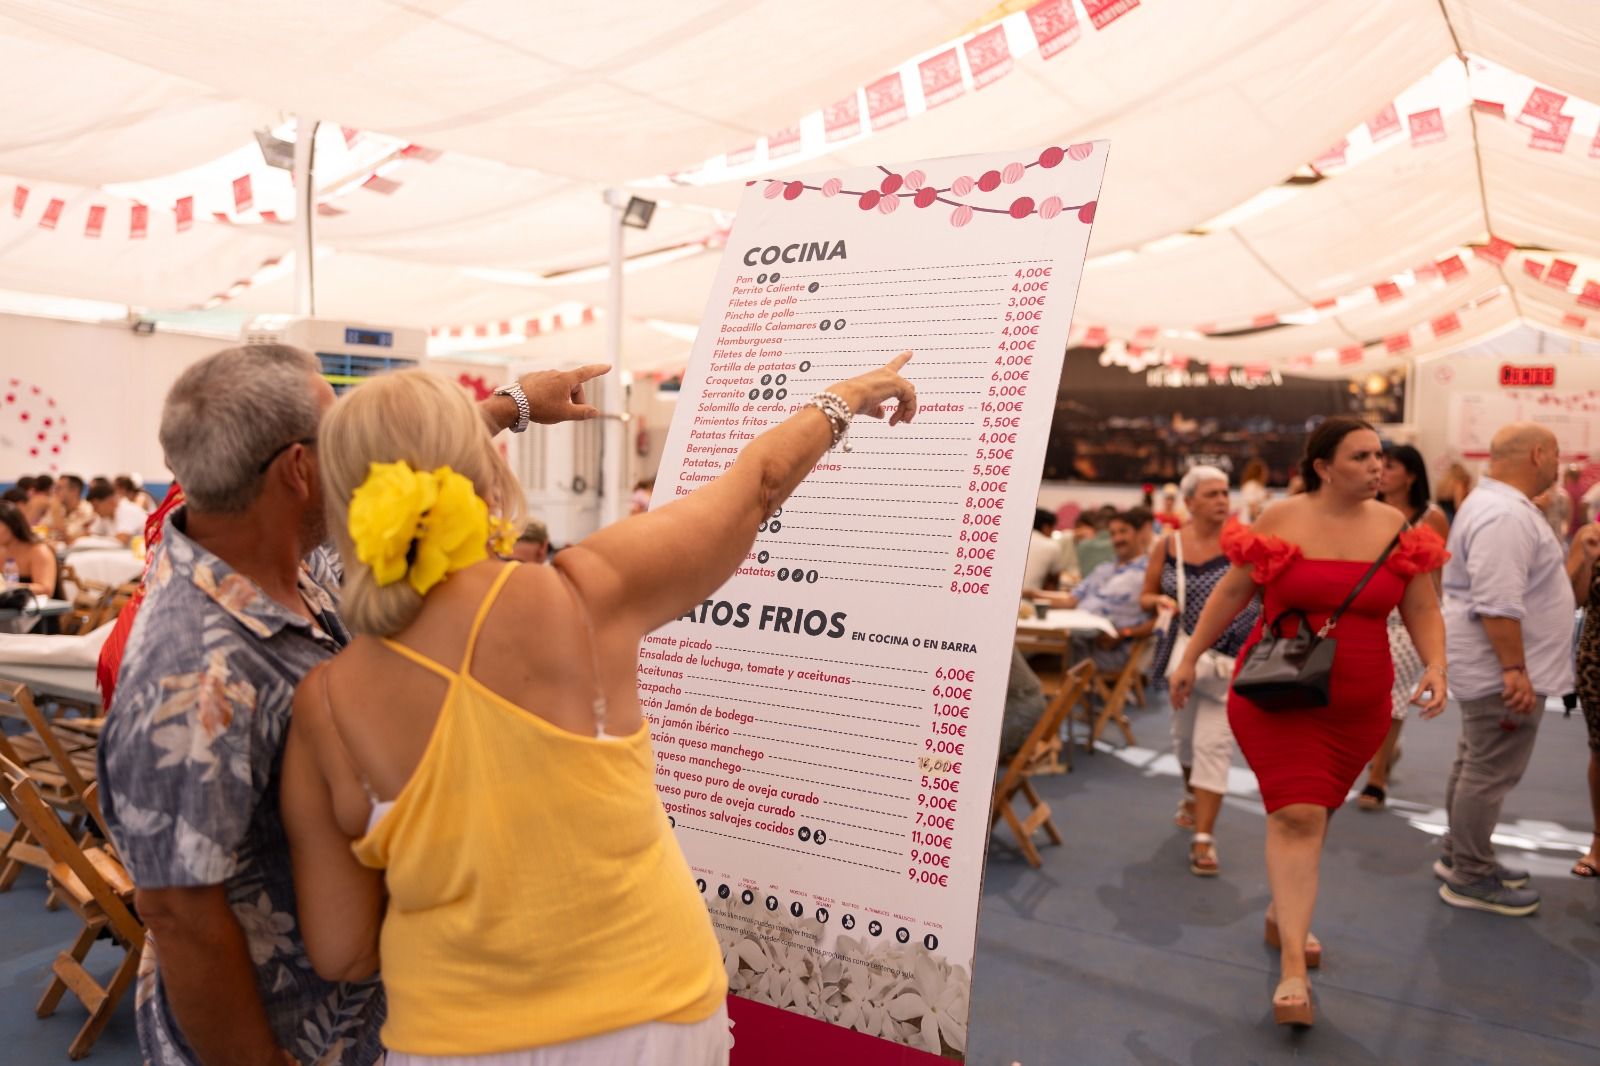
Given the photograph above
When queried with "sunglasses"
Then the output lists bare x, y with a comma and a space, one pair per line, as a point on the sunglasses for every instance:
269, 460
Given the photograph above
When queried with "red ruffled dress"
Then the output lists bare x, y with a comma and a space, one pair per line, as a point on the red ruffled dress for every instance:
1315, 755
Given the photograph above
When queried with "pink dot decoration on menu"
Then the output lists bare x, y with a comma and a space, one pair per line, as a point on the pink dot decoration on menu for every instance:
826, 725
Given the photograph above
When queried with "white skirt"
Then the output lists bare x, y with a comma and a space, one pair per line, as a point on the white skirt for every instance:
702, 1043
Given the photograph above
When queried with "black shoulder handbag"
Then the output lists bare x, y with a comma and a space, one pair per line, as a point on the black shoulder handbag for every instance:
1294, 673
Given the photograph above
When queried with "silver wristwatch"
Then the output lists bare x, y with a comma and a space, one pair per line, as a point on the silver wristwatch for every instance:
524, 412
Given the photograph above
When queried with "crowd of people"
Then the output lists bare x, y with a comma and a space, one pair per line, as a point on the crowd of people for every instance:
1482, 579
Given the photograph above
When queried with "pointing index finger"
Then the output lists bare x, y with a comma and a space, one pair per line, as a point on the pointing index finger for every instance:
593, 370
898, 361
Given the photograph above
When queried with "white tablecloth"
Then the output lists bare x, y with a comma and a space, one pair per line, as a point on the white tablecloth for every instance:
1067, 620
103, 566
35, 649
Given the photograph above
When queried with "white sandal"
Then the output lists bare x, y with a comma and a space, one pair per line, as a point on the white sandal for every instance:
1197, 867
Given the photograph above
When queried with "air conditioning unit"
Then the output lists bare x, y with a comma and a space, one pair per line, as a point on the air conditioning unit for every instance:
350, 352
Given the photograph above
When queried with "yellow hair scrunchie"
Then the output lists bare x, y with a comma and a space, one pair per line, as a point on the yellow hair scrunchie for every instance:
417, 525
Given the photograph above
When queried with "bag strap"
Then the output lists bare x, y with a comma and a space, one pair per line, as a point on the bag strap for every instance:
1333, 619
1177, 564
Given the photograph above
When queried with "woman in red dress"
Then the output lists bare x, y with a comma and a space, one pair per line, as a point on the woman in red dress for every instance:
1307, 553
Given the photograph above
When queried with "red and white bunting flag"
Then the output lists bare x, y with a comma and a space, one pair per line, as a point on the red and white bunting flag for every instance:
588, 314
1555, 138
1384, 124
1573, 321
52, 214
221, 217
1334, 156
783, 142
1561, 272
1055, 26
480, 331
1594, 146
433, 331
1489, 107
455, 331
1387, 291
1427, 127
270, 216
380, 184
184, 210
988, 56
1263, 321
1447, 323
1424, 271
1590, 296
1533, 268
243, 198
886, 101
1353, 353
1178, 362
742, 156
1206, 327
1496, 250
941, 77
329, 211
1542, 109
19, 200
505, 327
1397, 343
1103, 13
1145, 334
1326, 305
1452, 269
842, 120
1219, 371
532, 328
138, 222
417, 151
96, 223
1257, 370
1096, 337
351, 135
1300, 362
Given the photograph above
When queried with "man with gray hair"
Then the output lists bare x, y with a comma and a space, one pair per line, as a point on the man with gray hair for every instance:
1508, 608
239, 607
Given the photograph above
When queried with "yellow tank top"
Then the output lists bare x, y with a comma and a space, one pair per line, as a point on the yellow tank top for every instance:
536, 892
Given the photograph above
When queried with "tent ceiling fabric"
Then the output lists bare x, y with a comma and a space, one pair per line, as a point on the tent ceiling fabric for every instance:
627, 90
1206, 102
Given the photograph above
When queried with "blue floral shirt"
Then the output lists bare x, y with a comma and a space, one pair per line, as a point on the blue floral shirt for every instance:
189, 768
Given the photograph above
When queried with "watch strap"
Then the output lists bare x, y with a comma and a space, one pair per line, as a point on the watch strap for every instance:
520, 398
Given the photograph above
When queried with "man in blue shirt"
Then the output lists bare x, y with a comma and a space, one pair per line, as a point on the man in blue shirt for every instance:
1111, 590
1508, 606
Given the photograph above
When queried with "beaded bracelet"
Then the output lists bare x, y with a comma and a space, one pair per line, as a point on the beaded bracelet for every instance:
838, 414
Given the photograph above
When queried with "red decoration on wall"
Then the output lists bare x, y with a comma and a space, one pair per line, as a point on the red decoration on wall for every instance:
475, 384
1055, 26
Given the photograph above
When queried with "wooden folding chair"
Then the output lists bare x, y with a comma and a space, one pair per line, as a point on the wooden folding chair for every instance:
61, 763
1112, 689
97, 888
1015, 778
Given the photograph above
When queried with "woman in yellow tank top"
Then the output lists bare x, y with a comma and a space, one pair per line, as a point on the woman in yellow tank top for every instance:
468, 787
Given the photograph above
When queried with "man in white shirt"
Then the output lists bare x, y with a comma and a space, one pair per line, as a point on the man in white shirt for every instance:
1508, 607
1044, 554
114, 515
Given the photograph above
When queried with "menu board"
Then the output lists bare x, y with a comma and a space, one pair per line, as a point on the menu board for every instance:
827, 723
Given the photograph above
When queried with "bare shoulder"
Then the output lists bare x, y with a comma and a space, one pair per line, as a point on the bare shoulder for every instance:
1282, 515
1382, 515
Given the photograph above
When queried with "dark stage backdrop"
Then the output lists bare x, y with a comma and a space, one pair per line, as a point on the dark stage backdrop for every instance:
1112, 426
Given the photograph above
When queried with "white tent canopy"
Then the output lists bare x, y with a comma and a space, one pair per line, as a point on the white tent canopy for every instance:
1208, 104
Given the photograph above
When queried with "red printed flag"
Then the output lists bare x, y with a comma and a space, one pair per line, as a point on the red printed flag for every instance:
480, 331
1300, 362
941, 78
1384, 124
416, 151
1178, 362
269, 216
1397, 343
588, 314
505, 327
1489, 107
1554, 139
1218, 371
243, 198
842, 120
1446, 324
1561, 272
1351, 354
988, 56
19, 200
1533, 268
138, 222
1055, 25
531, 328
1542, 109
1096, 337
96, 223
1427, 127
184, 209
1574, 321
1333, 157
1452, 268
52, 214
455, 331
1263, 321
329, 211
1326, 305
1425, 271
783, 142
1387, 291
886, 101
380, 184
1145, 334
1590, 296
351, 135
1496, 250
1103, 13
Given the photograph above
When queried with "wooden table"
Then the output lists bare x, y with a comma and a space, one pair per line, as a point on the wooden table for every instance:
63, 682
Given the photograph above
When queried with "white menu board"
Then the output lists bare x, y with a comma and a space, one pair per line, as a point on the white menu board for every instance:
827, 724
